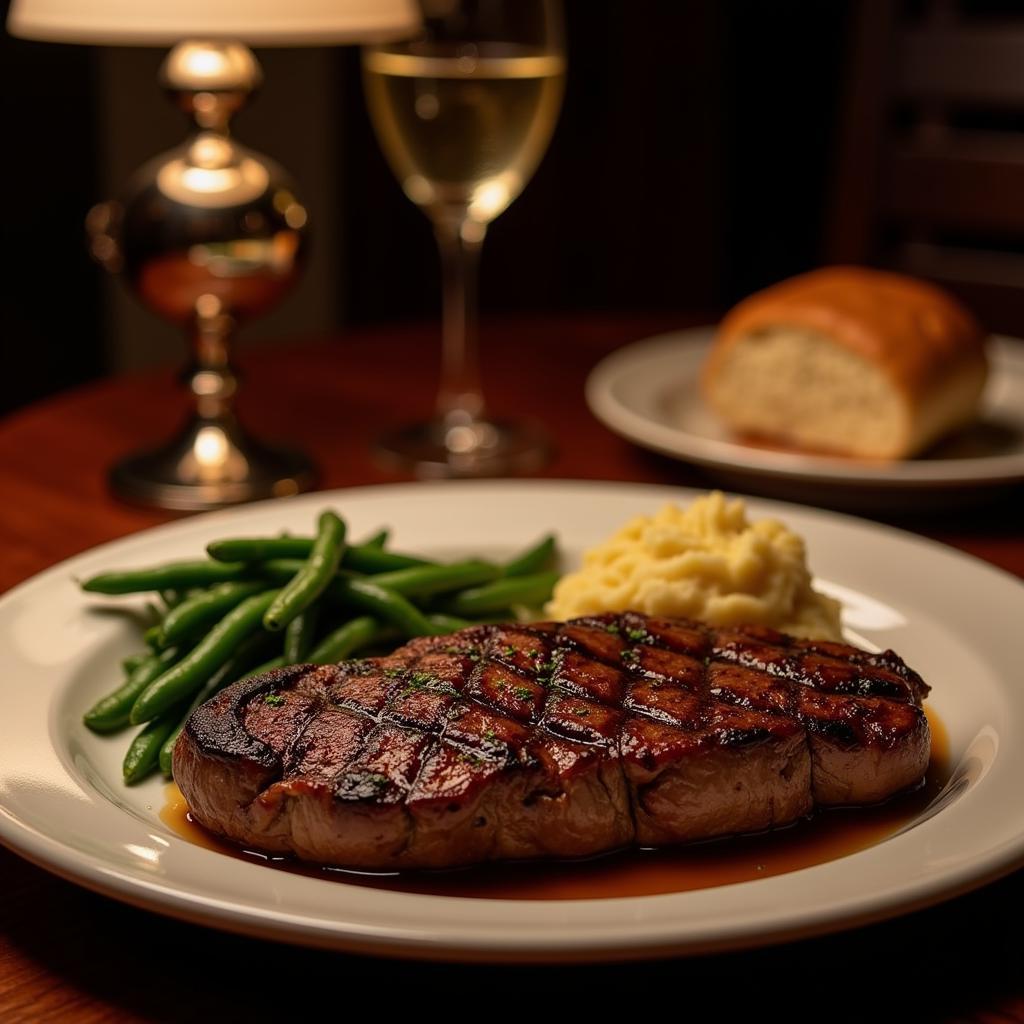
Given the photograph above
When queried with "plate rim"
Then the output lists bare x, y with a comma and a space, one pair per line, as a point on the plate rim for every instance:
254, 921
721, 454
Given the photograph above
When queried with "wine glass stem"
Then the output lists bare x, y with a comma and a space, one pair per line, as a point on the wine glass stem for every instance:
460, 399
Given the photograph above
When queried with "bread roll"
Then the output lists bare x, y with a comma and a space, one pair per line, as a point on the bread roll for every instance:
848, 360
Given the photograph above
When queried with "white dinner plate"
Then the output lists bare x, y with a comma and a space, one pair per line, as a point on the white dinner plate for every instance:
62, 804
648, 393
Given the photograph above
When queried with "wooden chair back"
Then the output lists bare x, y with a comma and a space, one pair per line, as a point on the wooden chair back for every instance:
930, 175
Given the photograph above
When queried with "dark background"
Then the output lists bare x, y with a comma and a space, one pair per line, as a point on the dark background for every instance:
705, 149
51, 297
690, 165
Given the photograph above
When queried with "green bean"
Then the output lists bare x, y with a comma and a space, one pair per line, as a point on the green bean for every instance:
172, 598
199, 612
449, 623
311, 581
298, 635
249, 652
144, 751
427, 580
170, 576
133, 661
345, 640
372, 560
367, 557
111, 713
152, 638
279, 570
259, 549
532, 590
183, 679
498, 616
378, 540
412, 581
366, 596
267, 666
165, 756
534, 559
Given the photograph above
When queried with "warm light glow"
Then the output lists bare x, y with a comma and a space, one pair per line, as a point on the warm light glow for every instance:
288, 206
258, 22
208, 306
473, 436
493, 196
213, 458
206, 383
460, 439
418, 189
203, 179
149, 857
205, 63
283, 199
211, 65
211, 151
295, 216
212, 186
211, 447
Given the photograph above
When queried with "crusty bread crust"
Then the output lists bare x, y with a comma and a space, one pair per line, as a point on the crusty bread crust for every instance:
919, 339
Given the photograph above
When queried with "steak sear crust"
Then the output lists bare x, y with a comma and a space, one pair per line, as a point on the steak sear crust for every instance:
550, 739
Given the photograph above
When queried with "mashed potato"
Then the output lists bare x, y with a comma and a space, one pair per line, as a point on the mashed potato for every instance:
704, 562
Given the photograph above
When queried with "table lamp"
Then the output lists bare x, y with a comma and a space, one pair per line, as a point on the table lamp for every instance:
210, 233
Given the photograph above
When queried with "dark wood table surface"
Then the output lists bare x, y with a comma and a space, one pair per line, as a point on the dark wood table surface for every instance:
70, 955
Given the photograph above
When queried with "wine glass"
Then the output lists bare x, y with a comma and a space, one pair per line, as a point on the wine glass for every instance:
464, 113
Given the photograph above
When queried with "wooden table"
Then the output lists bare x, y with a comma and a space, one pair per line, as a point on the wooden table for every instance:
69, 955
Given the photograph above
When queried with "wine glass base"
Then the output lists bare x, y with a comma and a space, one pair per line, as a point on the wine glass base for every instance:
486, 448
211, 465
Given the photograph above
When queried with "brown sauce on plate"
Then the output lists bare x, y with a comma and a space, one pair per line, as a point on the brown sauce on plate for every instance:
827, 836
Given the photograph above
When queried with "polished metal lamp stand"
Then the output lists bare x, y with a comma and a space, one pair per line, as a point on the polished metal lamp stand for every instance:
207, 235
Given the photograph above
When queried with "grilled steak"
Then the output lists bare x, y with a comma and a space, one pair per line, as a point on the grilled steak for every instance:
554, 739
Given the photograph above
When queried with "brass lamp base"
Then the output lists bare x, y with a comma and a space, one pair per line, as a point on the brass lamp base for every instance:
209, 235
210, 465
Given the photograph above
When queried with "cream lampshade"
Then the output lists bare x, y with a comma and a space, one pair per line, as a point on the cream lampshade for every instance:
209, 234
257, 22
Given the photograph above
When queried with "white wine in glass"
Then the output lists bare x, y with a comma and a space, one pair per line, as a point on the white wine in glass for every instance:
464, 114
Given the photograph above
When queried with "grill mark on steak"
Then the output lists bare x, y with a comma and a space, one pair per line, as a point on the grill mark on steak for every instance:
564, 739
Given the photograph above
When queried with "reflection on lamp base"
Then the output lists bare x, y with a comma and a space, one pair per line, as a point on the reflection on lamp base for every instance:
474, 449
211, 464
